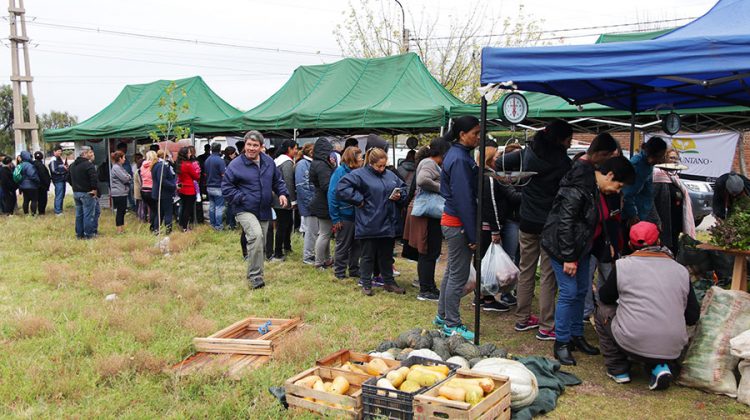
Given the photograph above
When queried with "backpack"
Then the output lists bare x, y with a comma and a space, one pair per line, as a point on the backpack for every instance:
18, 173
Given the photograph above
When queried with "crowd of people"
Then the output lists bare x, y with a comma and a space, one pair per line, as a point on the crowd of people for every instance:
596, 216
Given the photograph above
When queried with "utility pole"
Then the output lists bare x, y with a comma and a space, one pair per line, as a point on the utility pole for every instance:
18, 38
404, 32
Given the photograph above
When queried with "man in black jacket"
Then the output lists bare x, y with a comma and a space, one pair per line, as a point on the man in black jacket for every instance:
83, 178
44, 181
59, 172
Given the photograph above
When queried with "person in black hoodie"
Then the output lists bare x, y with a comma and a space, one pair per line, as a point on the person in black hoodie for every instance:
575, 221
82, 176
44, 181
548, 158
8, 186
321, 170
59, 172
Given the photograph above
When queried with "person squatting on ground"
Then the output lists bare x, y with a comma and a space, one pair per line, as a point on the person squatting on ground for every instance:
82, 176
347, 250
249, 183
321, 170
459, 188
574, 223
547, 157
378, 195
647, 302
121, 181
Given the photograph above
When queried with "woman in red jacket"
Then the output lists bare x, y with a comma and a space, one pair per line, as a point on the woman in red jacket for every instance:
187, 174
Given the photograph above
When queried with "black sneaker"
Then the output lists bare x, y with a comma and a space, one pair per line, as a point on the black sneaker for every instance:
431, 296
508, 299
495, 306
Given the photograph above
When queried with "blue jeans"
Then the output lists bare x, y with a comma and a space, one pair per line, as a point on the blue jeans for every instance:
509, 233
570, 299
215, 207
59, 196
86, 214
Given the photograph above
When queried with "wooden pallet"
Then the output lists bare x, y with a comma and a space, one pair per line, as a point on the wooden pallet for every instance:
236, 349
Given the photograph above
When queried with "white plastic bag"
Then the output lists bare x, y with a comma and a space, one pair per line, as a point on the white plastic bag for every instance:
499, 273
471, 284
739, 346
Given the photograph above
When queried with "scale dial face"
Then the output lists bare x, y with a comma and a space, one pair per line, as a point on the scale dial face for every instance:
671, 123
514, 108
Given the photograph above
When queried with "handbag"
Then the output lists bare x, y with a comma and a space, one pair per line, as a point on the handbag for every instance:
428, 204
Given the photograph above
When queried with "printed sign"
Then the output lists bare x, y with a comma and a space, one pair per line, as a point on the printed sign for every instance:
705, 154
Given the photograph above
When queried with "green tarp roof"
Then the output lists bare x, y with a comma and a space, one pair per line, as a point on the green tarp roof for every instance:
396, 92
631, 36
133, 114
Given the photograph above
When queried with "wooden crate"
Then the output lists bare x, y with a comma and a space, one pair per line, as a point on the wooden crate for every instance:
296, 394
496, 405
243, 337
336, 360
236, 358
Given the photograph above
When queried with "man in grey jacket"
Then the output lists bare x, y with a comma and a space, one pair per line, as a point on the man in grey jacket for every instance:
646, 303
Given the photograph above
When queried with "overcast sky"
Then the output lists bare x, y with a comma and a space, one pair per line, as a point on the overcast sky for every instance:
82, 71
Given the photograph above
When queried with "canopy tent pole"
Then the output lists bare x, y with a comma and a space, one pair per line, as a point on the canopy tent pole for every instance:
393, 138
632, 120
109, 178
480, 203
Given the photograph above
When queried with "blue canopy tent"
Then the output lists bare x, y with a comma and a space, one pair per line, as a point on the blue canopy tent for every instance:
705, 63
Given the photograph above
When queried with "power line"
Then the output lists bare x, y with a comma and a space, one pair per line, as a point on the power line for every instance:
182, 40
583, 28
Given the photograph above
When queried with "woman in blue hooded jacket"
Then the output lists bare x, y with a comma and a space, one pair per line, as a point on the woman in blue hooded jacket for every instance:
346, 253
29, 184
376, 195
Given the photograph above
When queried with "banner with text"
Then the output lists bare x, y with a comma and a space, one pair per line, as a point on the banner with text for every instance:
705, 154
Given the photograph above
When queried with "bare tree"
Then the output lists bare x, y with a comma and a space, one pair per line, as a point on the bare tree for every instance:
371, 28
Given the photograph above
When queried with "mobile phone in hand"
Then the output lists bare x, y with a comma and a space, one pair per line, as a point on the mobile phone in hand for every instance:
395, 191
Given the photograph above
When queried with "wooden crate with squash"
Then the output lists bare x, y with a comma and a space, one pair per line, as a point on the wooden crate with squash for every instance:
358, 363
327, 391
467, 395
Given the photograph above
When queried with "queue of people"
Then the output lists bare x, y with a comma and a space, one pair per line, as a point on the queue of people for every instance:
573, 221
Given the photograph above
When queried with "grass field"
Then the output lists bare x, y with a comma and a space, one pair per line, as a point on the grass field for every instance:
66, 352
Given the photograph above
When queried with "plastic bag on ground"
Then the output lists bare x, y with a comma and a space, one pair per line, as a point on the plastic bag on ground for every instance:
740, 345
743, 391
499, 272
708, 364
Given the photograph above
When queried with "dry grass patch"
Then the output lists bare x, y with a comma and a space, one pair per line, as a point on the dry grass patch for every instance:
27, 326
199, 325
61, 275
108, 367
141, 258
179, 242
295, 346
145, 362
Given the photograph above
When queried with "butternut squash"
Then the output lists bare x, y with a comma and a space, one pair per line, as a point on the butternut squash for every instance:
319, 386
439, 375
340, 385
395, 377
486, 384
438, 368
452, 393
409, 386
376, 367
308, 381
474, 396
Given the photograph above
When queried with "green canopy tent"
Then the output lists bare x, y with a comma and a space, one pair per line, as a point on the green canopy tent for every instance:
394, 94
133, 114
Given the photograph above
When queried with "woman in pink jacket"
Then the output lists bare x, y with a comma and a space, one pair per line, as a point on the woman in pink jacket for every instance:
147, 185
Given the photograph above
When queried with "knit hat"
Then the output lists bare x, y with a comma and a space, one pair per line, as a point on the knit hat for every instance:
38, 155
734, 184
644, 234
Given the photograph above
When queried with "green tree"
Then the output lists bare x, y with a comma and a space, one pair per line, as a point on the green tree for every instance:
452, 54
172, 104
7, 144
55, 119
